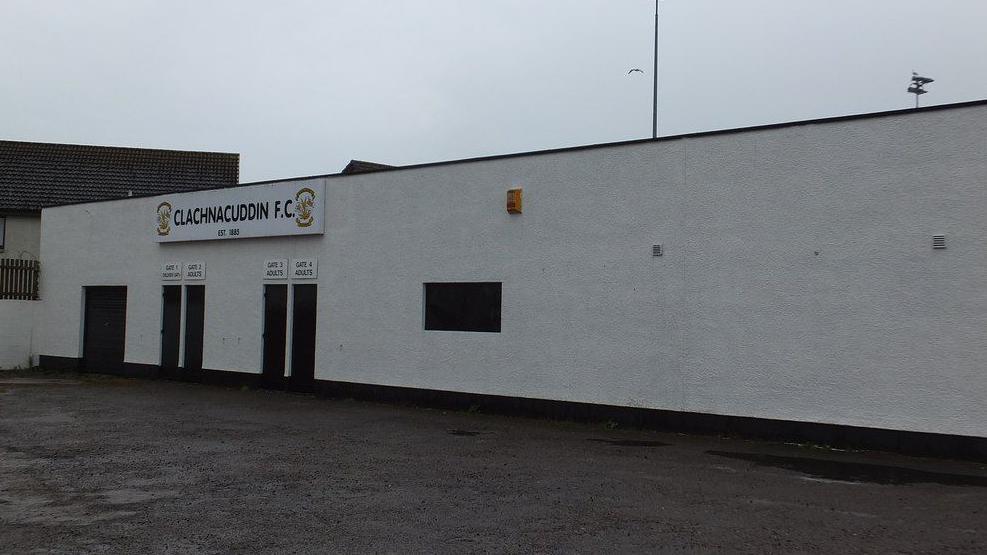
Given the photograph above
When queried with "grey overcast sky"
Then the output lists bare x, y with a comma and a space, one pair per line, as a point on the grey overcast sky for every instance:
300, 87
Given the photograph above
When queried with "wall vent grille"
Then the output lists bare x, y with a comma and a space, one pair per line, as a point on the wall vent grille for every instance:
938, 241
656, 250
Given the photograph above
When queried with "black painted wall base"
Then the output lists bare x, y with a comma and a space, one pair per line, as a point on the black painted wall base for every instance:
153, 371
917, 443
59, 363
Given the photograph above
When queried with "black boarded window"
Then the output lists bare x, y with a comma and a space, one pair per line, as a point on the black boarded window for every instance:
463, 306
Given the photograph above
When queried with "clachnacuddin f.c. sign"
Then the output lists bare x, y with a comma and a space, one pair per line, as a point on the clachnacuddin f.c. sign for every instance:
241, 212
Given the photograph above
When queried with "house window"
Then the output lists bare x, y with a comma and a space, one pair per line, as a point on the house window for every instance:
473, 306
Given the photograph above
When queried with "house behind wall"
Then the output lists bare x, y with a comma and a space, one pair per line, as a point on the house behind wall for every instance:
798, 279
21, 236
35, 175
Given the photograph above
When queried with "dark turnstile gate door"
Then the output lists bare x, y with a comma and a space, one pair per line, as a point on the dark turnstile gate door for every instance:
275, 330
105, 328
171, 324
303, 335
195, 313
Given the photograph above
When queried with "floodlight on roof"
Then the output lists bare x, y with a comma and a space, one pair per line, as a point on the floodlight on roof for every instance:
916, 87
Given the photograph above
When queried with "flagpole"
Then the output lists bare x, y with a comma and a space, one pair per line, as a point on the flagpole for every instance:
654, 128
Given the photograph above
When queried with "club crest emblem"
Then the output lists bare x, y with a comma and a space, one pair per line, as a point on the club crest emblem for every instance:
164, 218
304, 202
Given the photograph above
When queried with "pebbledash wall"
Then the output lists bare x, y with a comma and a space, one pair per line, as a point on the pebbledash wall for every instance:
798, 280
22, 234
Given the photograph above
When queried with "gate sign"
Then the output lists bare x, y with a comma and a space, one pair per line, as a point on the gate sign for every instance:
171, 271
195, 270
240, 212
276, 269
304, 268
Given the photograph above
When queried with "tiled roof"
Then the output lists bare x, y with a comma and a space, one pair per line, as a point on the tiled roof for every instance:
36, 175
359, 166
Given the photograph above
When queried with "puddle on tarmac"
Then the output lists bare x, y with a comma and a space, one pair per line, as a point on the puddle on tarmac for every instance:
629, 442
464, 432
844, 471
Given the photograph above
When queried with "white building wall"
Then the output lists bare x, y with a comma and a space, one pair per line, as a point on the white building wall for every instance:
22, 237
16, 318
740, 317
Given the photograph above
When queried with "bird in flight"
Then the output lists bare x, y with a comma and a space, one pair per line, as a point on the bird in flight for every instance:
635, 69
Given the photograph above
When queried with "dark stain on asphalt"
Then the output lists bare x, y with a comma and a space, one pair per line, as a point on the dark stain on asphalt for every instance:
847, 471
464, 433
628, 442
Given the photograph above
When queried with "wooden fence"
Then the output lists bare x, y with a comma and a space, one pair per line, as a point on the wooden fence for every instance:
19, 279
